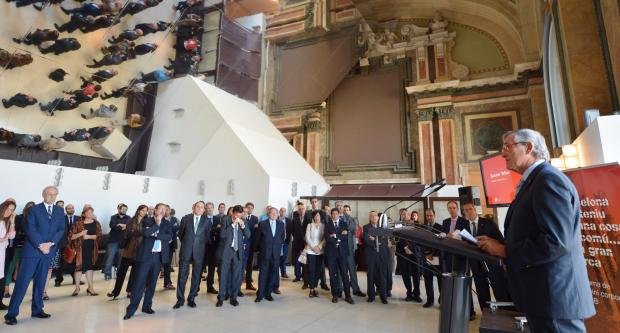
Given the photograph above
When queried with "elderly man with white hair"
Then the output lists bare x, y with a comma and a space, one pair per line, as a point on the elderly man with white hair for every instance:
43, 231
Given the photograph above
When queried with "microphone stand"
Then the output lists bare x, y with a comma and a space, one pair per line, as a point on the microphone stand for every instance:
439, 182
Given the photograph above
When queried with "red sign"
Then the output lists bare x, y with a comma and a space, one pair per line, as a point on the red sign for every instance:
599, 198
499, 182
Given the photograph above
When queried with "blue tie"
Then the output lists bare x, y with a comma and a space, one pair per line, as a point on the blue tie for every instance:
273, 228
49, 210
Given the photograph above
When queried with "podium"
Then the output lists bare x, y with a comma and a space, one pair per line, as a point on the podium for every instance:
455, 292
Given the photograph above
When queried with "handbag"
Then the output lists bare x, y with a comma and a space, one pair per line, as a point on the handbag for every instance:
303, 257
69, 254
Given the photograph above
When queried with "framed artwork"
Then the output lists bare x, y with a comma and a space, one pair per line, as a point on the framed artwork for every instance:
483, 132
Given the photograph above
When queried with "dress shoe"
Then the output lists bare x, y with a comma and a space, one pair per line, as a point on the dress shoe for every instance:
107, 278
57, 283
112, 296
370, 300
234, 302
472, 317
191, 304
417, 299
240, 294
324, 287
384, 301
148, 311
3, 307
249, 287
305, 286
177, 305
334, 299
389, 294
127, 316
257, 300
45, 297
316, 293
269, 298
42, 315
10, 320
349, 300
284, 276
428, 305
409, 298
212, 291
359, 293
277, 292
311, 294
219, 303
170, 286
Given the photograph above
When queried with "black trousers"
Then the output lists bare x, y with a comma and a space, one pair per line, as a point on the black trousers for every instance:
168, 268
376, 275
268, 273
64, 266
314, 262
230, 270
410, 273
428, 274
122, 272
338, 270
249, 265
145, 283
182, 279
210, 263
295, 253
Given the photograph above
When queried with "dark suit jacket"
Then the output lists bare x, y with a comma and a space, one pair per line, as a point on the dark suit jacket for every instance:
251, 223
370, 246
116, 232
288, 230
461, 224
332, 248
193, 244
41, 228
269, 246
151, 232
544, 260
299, 233
225, 250
63, 241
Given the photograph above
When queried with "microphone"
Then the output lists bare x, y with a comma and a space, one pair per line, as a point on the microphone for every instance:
426, 187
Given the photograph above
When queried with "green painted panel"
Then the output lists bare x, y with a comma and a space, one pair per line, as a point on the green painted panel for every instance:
476, 50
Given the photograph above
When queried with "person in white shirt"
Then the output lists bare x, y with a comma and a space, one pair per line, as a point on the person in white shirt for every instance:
315, 241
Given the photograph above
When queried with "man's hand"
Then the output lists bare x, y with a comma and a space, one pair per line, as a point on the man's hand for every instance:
344, 232
491, 246
123, 226
241, 224
45, 247
316, 249
332, 235
372, 238
407, 251
158, 219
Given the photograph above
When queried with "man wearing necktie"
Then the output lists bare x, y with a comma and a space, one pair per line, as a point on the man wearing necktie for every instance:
70, 219
450, 225
210, 259
483, 273
377, 257
231, 252
150, 255
270, 236
336, 253
44, 229
250, 245
194, 233
546, 269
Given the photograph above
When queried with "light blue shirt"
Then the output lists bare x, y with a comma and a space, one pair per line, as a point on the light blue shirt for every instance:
527, 173
272, 224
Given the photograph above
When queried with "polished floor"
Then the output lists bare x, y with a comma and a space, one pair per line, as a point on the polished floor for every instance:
292, 311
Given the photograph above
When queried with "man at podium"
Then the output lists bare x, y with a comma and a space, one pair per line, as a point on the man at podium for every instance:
542, 250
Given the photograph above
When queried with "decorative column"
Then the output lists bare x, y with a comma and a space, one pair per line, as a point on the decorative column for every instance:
441, 63
427, 150
313, 139
422, 65
447, 143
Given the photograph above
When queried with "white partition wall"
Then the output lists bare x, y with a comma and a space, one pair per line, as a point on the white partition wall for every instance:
222, 148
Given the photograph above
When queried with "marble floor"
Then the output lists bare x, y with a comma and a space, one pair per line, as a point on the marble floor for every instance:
292, 311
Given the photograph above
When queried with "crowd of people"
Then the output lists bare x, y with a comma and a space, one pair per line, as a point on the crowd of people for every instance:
225, 243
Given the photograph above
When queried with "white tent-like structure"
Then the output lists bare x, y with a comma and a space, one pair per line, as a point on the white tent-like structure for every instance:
223, 148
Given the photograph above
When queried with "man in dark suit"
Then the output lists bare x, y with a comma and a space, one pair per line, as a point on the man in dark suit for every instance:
269, 239
377, 253
288, 231
449, 226
248, 255
210, 262
431, 267
167, 267
118, 224
345, 213
298, 234
44, 229
483, 273
194, 233
543, 254
231, 251
408, 260
336, 253
150, 255
70, 219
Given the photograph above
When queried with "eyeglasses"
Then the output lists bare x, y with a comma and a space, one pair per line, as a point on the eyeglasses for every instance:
507, 146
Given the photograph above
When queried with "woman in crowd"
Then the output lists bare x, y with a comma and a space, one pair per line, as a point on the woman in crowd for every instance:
130, 242
18, 245
84, 237
7, 232
315, 240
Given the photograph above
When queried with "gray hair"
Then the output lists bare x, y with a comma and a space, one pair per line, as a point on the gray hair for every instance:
539, 146
47, 188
